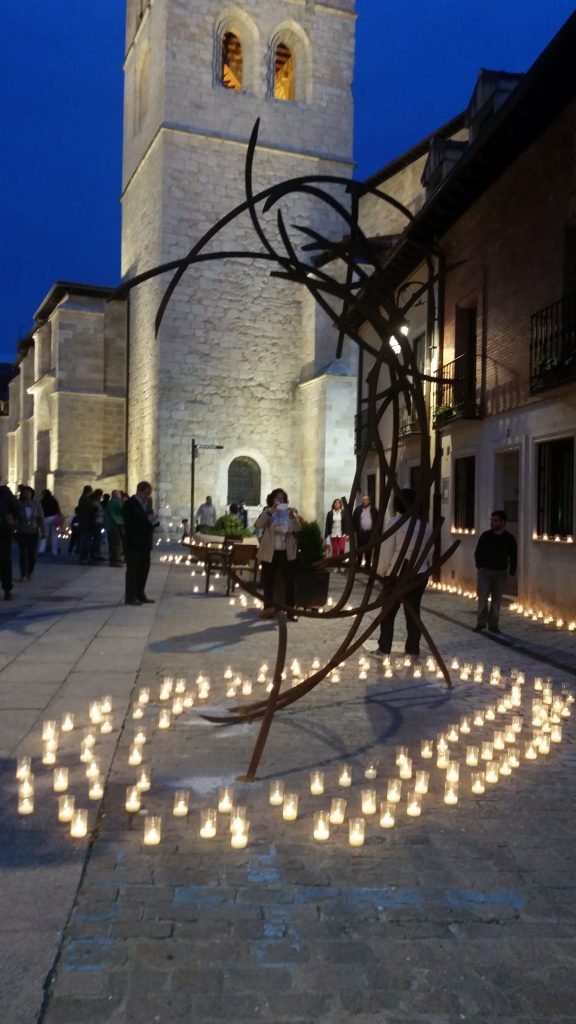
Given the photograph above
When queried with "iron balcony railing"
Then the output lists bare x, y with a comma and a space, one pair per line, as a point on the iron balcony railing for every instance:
553, 344
460, 390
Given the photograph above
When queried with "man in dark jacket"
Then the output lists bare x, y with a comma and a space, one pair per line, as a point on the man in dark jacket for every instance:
8, 518
364, 519
139, 519
495, 557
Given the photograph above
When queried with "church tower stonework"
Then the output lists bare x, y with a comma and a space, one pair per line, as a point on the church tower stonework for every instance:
242, 360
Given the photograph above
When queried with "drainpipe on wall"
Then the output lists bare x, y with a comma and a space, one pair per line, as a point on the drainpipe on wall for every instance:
437, 330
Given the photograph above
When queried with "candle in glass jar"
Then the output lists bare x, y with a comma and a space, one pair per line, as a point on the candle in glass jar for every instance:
49, 752
316, 783
24, 767
60, 780
478, 782
67, 722
452, 734
144, 779
394, 790
368, 800
290, 807
413, 804
337, 811
96, 790
180, 685
49, 730
166, 688
490, 713
472, 755
144, 695
239, 838
450, 792
152, 830
465, 725
225, 800
95, 712
135, 754
345, 776
401, 754
321, 826
387, 814
107, 725
208, 818
237, 818
478, 718
371, 770
504, 766
164, 719
544, 745
530, 752
421, 782
65, 807
499, 740
181, 803
356, 831
492, 771
405, 770
26, 786
453, 771
427, 748
177, 706
487, 750
79, 823
556, 734
25, 804
276, 797
443, 759
133, 802
93, 769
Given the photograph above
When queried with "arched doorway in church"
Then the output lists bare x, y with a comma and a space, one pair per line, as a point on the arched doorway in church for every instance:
244, 481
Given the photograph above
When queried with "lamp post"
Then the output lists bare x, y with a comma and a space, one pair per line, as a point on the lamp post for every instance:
194, 449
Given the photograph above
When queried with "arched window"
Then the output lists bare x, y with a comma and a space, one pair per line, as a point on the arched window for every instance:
231, 61
244, 481
284, 73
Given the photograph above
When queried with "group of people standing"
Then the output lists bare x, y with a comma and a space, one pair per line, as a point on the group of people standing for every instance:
95, 516
33, 524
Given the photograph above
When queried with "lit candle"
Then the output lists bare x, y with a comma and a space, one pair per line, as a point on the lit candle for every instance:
164, 719
49, 752
144, 779
371, 770
487, 750
228, 673
180, 685
387, 814
443, 759
345, 776
316, 783
177, 706
556, 734
79, 823
225, 800
337, 811
89, 738
450, 792
368, 800
107, 725
93, 769
166, 688
106, 705
67, 722
465, 725
60, 780
405, 771
237, 818
442, 743
144, 695
544, 745
290, 807
181, 803
401, 755
421, 782
65, 807
427, 748
530, 752
472, 755
239, 838
25, 804
24, 767
504, 766
517, 723
414, 804
96, 790
188, 699
49, 730
208, 823
478, 782
490, 713
452, 734
394, 790
492, 771
132, 803
276, 797
152, 830
95, 712
246, 687
514, 757
478, 718
356, 831
453, 771
321, 826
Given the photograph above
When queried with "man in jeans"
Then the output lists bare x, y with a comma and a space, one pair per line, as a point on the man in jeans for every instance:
495, 558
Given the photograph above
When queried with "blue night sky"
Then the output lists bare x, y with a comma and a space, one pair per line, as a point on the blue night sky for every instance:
61, 88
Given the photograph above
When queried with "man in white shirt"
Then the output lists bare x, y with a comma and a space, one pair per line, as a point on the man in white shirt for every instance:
206, 514
393, 548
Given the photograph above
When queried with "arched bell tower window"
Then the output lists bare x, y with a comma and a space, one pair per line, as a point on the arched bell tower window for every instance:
284, 72
244, 481
232, 68
290, 64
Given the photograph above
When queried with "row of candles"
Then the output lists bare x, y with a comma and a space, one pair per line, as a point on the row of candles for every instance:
544, 617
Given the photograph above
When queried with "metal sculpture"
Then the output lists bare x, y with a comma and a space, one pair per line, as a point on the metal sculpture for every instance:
357, 297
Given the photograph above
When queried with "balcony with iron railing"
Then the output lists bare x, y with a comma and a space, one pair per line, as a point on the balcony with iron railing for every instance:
553, 345
460, 393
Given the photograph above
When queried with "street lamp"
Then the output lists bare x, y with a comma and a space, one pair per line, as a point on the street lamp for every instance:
196, 448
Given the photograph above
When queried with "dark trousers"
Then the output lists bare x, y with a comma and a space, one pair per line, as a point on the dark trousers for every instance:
6, 562
85, 537
115, 545
27, 545
280, 568
413, 632
491, 584
137, 569
364, 537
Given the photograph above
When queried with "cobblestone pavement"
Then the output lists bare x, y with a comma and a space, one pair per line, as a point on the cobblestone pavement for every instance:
466, 913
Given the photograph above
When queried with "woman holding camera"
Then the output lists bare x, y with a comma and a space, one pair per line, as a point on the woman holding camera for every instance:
278, 549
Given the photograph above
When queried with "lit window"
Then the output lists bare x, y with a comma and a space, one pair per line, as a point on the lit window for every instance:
283, 73
555, 488
231, 61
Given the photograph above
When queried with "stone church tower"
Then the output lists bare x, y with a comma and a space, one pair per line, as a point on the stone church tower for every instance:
242, 360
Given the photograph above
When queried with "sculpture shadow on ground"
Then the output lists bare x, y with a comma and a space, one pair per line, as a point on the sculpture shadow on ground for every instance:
209, 639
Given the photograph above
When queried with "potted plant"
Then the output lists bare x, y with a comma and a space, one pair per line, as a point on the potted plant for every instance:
444, 412
311, 583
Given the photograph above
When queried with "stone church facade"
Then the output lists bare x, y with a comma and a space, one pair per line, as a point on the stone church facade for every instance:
243, 360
